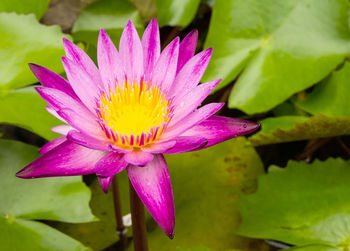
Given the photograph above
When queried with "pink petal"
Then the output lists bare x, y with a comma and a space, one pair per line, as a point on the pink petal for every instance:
191, 120
187, 49
83, 86
217, 129
62, 129
153, 186
59, 100
77, 55
120, 149
159, 147
105, 182
54, 113
192, 100
111, 164
52, 144
82, 123
52, 80
138, 158
130, 50
191, 73
67, 159
164, 71
88, 141
109, 62
187, 144
151, 47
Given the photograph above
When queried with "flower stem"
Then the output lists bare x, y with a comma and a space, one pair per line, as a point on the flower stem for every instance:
121, 230
138, 221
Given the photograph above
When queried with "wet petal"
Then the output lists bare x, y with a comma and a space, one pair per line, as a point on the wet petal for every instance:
217, 129
191, 120
67, 159
81, 83
81, 123
78, 55
52, 144
192, 100
187, 144
138, 157
191, 73
52, 80
120, 149
159, 147
59, 100
112, 163
187, 49
88, 141
151, 47
109, 62
153, 186
165, 68
130, 50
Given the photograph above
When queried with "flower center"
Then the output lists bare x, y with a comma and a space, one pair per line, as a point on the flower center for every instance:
134, 114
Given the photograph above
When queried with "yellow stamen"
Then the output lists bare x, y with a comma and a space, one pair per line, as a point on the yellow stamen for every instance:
134, 114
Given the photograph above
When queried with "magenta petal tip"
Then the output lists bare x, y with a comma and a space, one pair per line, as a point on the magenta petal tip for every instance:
66, 42
251, 126
22, 174
105, 182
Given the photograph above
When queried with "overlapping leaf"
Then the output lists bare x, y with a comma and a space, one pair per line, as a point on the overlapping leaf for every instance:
176, 13
23, 41
200, 248
328, 102
37, 7
25, 108
110, 15
279, 48
314, 248
294, 128
22, 201
302, 204
100, 234
331, 96
206, 184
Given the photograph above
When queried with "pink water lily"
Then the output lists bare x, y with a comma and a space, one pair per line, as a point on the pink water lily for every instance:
139, 104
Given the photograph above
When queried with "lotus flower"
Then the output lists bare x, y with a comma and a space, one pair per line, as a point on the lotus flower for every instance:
139, 104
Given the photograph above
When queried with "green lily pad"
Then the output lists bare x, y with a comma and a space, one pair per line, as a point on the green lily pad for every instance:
110, 15
176, 13
101, 234
26, 235
294, 128
25, 108
23, 41
314, 248
200, 248
37, 7
279, 49
331, 96
302, 204
207, 185
22, 201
